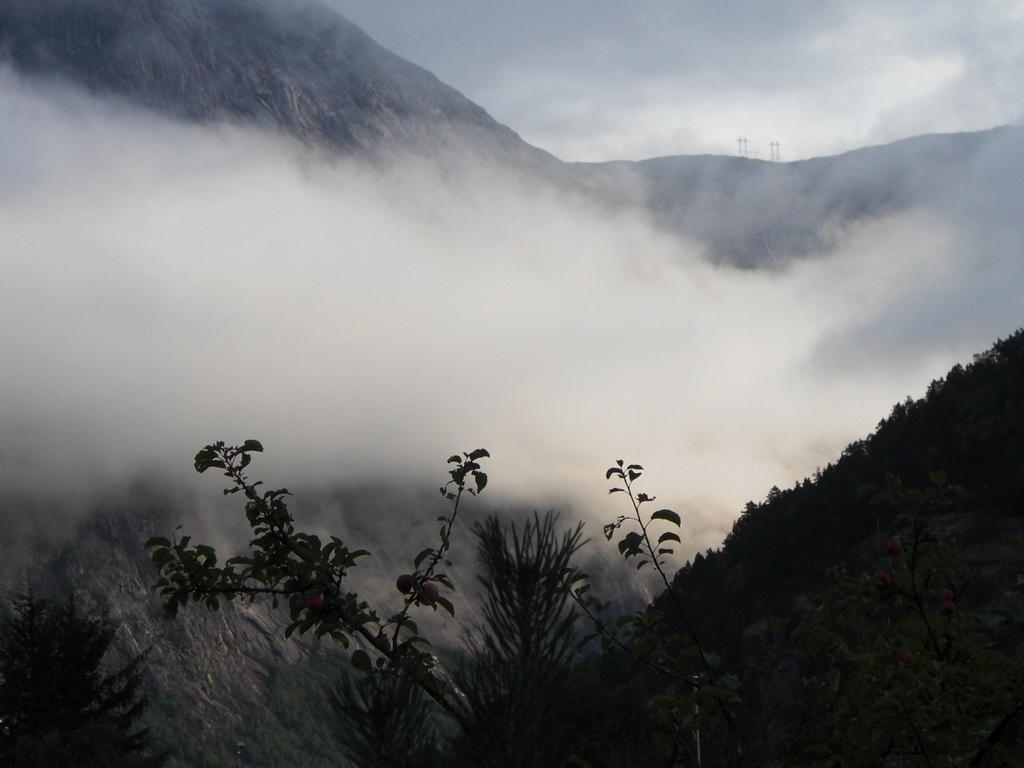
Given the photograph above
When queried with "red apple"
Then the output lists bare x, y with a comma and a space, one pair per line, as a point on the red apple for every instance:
905, 657
429, 592
893, 546
315, 602
404, 583
948, 594
947, 607
883, 579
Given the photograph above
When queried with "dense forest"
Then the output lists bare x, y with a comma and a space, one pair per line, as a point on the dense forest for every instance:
970, 426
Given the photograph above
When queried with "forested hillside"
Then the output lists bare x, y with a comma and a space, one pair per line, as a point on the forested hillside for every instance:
970, 426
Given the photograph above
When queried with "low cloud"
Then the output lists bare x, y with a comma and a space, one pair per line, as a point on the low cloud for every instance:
162, 286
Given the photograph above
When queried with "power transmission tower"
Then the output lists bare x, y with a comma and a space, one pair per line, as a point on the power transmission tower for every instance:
741, 147
776, 152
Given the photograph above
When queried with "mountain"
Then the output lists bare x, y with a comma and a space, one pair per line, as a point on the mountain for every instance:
298, 67
294, 66
756, 213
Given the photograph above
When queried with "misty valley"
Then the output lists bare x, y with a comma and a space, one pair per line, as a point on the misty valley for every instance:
342, 425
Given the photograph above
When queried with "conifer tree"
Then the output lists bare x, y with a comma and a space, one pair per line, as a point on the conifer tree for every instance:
514, 682
59, 703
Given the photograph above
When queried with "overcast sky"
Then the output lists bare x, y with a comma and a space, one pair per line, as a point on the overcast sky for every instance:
603, 79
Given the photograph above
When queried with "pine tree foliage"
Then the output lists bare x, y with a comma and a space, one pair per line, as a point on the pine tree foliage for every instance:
57, 696
514, 681
512, 688
386, 722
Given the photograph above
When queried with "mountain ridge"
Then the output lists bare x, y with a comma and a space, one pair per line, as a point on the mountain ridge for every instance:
303, 69
299, 67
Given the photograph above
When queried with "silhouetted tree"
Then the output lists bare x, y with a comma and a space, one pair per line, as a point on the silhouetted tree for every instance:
513, 687
386, 721
59, 705
514, 682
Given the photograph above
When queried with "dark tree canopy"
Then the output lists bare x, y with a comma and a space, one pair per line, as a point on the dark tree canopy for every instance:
969, 425
60, 704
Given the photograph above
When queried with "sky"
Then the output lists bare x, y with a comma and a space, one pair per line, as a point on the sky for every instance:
593, 80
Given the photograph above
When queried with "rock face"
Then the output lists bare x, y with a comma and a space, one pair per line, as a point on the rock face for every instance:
296, 66
211, 675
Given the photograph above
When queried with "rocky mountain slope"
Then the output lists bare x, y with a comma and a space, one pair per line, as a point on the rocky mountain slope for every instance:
297, 67
215, 678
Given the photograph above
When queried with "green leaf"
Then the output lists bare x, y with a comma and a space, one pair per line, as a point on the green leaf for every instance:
481, 480
252, 445
157, 541
613, 471
630, 543
443, 578
422, 556
446, 604
479, 453
667, 515
455, 459
669, 536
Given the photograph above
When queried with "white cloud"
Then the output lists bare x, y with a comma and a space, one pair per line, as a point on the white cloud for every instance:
162, 286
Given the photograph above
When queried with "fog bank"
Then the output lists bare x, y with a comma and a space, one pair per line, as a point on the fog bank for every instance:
162, 286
